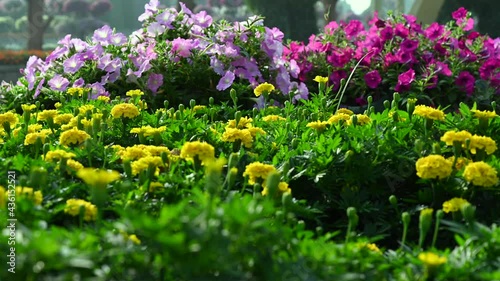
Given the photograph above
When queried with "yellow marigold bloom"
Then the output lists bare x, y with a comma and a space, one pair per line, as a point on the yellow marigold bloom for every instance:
157, 150
480, 142
429, 112
64, 118
76, 90
33, 128
103, 98
32, 137
454, 205
97, 177
142, 105
452, 136
154, 186
28, 107
126, 110
202, 150
57, 155
431, 259
135, 93
73, 136
244, 122
481, 174
433, 166
461, 162
263, 88
256, 130
199, 108
134, 239
243, 135
270, 118
58, 105
344, 111
73, 122
484, 114
29, 193
320, 79
73, 207
258, 170
133, 153
282, 188
370, 246
318, 125
155, 131
47, 114
140, 131
74, 165
339, 117
361, 119
8, 117
82, 110
144, 163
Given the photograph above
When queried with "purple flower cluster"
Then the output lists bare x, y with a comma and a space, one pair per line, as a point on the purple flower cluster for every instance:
242, 52
398, 54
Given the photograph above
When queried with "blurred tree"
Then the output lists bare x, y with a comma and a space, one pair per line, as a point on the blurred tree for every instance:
36, 24
486, 11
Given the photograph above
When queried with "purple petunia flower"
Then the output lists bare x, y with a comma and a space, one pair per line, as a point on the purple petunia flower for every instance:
78, 83
103, 35
73, 64
154, 29
443, 68
387, 33
404, 81
459, 14
434, 31
79, 44
39, 88
182, 47
409, 45
373, 79
97, 89
202, 19
150, 9
465, 81
57, 53
155, 81
226, 81
118, 39
353, 28
58, 83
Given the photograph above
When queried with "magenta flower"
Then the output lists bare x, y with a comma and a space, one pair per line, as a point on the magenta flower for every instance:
58, 83
488, 68
335, 78
155, 81
73, 64
202, 19
182, 47
373, 79
226, 81
409, 45
466, 81
443, 68
353, 28
404, 81
387, 33
459, 14
434, 31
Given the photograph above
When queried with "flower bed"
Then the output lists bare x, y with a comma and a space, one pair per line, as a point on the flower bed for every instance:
122, 180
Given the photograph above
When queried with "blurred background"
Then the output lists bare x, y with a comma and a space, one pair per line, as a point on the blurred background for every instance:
29, 25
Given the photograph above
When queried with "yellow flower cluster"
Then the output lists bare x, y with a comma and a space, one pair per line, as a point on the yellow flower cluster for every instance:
263, 88
282, 188
22, 192
48, 114
344, 111
243, 132
144, 163
74, 165
361, 119
28, 107
320, 79
454, 136
134, 93
483, 143
484, 114
429, 112
32, 137
76, 91
481, 174
148, 130
9, 117
370, 246
82, 110
73, 207
201, 150
431, 259
243, 123
138, 151
461, 162
125, 110
454, 205
433, 166
65, 118
258, 170
339, 116
271, 118
57, 155
318, 125
97, 177
197, 108
73, 136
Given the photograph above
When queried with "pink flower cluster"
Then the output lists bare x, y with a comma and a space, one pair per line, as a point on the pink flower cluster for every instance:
398, 54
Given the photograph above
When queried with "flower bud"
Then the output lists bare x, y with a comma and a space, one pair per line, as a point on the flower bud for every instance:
396, 97
393, 200
369, 99
387, 104
353, 217
211, 101
405, 217
436, 148
192, 103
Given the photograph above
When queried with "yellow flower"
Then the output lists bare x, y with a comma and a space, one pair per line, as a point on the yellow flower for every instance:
73, 207
433, 166
320, 79
103, 98
73, 136
344, 111
154, 186
96, 177
82, 110
157, 150
135, 93
244, 122
198, 108
339, 117
58, 154
270, 118
452, 136
461, 162
370, 246
429, 112
47, 114
133, 152
256, 130
64, 118
282, 188
484, 143
481, 174
74, 165
28, 193
58, 105
263, 88
32, 137
155, 131
318, 125
126, 110
134, 239
202, 150
361, 119
258, 170
454, 205
484, 114
142, 105
145, 162
76, 90
243, 135
431, 259
33, 128
28, 107
8, 117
